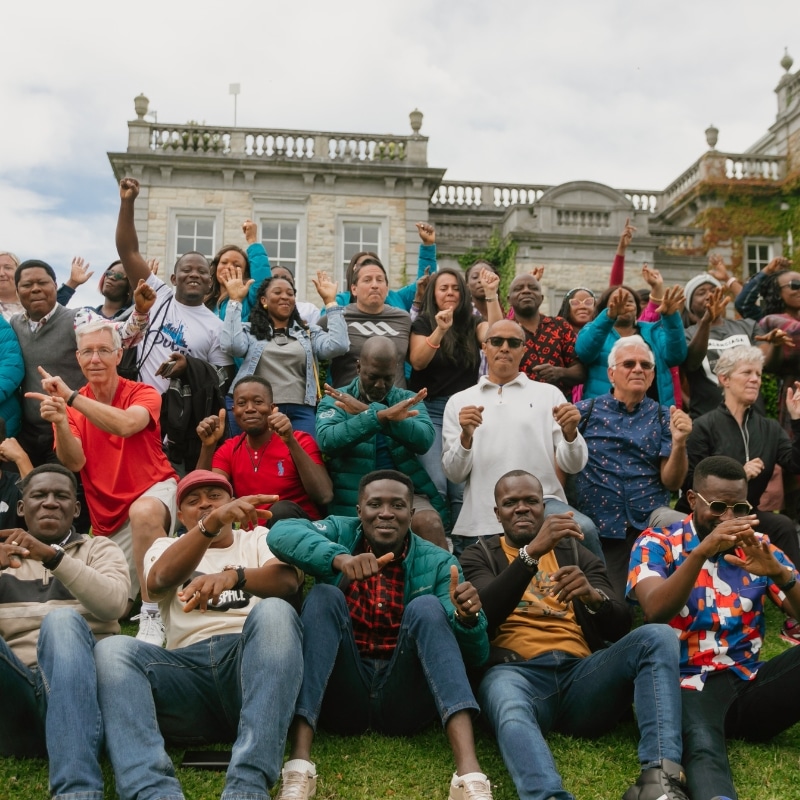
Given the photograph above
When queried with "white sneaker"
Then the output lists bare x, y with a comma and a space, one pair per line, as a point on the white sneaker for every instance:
472, 786
298, 780
151, 628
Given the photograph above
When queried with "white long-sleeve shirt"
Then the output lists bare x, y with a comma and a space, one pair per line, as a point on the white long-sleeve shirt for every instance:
518, 432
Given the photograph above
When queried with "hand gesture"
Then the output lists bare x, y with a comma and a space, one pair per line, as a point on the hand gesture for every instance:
716, 303
232, 278
11, 550
554, 528
345, 401
778, 263
616, 303
173, 367
731, 533
567, 417
777, 337
206, 589
758, 559
470, 418
464, 597
680, 425
402, 410
154, 265
282, 425
362, 566
422, 285
753, 468
79, 272
426, 232
250, 231
11, 450
653, 279
537, 272
673, 301
444, 320
211, 429
793, 400
490, 281
548, 373
717, 268
143, 297
326, 288
128, 189
52, 408
53, 385
242, 510
627, 235
569, 583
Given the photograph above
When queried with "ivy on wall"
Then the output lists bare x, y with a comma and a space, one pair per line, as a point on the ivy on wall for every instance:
502, 254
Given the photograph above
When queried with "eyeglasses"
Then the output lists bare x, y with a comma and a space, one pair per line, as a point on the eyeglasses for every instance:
117, 276
103, 352
631, 363
793, 285
512, 341
719, 507
588, 302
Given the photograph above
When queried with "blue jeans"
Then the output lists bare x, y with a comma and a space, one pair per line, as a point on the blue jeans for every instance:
452, 493
728, 706
584, 697
239, 688
52, 708
424, 677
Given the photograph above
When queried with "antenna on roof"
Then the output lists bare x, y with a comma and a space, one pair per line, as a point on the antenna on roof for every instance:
234, 89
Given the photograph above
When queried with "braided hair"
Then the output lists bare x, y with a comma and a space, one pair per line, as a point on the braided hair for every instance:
261, 325
770, 292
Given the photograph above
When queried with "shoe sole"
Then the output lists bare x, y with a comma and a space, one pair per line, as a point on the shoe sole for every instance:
787, 638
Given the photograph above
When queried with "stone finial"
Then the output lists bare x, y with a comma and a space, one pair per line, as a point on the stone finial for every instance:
712, 134
140, 105
415, 117
787, 60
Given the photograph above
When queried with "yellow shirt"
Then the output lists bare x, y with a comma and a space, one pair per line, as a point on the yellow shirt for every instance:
540, 623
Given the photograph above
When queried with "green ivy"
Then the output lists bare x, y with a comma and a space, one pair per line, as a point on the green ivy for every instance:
501, 254
769, 391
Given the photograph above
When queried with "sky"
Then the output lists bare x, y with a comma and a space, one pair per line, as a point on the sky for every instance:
514, 91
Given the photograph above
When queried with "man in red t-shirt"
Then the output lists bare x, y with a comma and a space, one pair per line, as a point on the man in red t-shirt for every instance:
109, 432
269, 457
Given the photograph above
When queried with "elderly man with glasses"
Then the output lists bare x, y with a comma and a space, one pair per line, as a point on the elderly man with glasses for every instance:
109, 431
708, 576
507, 421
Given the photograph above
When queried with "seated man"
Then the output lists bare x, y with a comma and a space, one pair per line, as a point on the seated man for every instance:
242, 688
371, 424
59, 591
707, 577
109, 431
268, 456
546, 598
384, 632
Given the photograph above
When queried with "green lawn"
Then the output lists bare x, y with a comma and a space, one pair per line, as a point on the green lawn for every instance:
420, 768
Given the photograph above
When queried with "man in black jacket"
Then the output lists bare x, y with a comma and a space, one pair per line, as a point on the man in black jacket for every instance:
550, 616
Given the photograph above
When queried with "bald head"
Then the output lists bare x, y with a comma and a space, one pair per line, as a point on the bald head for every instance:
378, 347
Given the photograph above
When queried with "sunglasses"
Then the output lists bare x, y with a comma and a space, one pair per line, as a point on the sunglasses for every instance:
117, 276
588, 302
794, 285
719, 507
632, 364
512, 341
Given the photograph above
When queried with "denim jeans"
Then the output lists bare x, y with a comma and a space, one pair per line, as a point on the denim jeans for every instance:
52, 708
424, 677
452, 493
225, 688
584, 697
754, 710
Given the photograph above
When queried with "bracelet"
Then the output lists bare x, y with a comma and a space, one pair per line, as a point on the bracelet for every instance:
207, 533
490, 299
72, 397
656, 299
730, 281
332, 304
789, 585
528, 560
431, 344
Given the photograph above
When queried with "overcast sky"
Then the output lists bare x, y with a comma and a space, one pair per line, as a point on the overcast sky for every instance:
524, 91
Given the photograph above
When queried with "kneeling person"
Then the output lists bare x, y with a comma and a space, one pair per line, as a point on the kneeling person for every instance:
211, 582
384, 632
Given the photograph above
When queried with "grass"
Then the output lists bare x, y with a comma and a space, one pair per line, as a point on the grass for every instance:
418, 768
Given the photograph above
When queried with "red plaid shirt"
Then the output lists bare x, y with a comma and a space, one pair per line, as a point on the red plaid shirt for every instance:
376, 606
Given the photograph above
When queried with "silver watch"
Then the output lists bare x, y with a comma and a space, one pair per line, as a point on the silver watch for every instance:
527, 559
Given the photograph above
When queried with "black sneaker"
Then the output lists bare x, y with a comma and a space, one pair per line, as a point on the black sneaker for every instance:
667, 782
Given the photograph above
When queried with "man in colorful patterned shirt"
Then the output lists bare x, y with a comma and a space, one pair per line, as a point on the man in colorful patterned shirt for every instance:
708, 577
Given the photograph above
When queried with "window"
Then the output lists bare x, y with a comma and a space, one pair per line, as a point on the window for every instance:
279, 238
194, 233
759, 254
358, 236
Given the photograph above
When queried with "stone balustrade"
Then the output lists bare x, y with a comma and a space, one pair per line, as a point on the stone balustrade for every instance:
644, 199
486, 195
752, 167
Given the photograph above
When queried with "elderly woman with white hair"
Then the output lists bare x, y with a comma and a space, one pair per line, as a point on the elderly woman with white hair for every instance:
637, 454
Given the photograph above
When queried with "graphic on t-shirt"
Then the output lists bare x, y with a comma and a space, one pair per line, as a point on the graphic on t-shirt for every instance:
538, 599
172, 337
230, 598
374, 328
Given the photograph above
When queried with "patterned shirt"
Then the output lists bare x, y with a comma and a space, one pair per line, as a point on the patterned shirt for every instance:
722, 624
376, 606
621, 483
552, 343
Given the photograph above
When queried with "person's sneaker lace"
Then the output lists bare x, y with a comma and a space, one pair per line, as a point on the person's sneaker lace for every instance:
151, 628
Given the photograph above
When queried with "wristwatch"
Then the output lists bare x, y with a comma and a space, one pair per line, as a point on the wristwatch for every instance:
606, 599
241, 579
201, 526
52, 563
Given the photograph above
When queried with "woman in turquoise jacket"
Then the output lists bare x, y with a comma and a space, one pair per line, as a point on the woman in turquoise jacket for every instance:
12, 370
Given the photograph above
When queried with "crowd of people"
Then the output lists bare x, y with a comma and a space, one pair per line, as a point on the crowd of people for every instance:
481, 492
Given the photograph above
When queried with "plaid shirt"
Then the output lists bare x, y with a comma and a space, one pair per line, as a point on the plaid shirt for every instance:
376, 606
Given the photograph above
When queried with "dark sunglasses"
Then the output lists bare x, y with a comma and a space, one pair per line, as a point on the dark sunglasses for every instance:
794, 285
117, 276
719, 507
631, 364
513, 342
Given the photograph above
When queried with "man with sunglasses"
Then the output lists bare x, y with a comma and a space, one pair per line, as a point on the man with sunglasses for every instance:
707, 576
507, 421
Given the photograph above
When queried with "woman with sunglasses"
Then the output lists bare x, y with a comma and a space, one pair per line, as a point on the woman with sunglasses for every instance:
279, 346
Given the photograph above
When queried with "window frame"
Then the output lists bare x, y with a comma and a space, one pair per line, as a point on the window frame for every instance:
381, 222
176, 214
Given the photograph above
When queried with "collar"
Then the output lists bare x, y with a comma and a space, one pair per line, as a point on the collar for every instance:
38, 324
520, 379
364, 546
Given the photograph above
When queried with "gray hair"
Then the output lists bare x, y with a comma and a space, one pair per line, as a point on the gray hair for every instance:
99, 325
628, 341
8, 253
736, 356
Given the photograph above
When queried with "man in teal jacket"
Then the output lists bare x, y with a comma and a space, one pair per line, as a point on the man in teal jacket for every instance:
370, 424
387, 629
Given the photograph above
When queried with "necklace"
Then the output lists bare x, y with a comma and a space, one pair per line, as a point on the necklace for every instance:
255, 455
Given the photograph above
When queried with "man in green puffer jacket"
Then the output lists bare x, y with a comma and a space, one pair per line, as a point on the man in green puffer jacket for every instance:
370, 424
